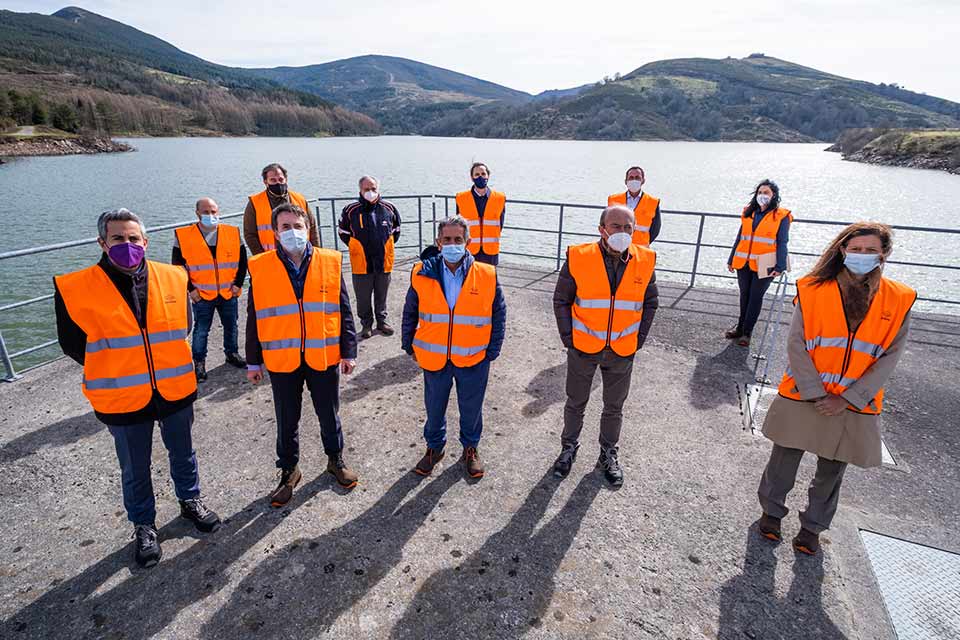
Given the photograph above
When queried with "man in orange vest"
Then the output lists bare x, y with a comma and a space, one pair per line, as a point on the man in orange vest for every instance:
300, 329
126, 320
216, 263
256, 217
454, 321
485, 211
646, 208
370, 227
604, 302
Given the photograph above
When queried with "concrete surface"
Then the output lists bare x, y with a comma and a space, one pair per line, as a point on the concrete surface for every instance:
673, 554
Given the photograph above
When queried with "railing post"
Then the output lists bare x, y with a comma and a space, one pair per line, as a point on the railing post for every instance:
316, 214
560, 238
333, 218
696, 253
434, 229
7, 362
420, 222
446, 207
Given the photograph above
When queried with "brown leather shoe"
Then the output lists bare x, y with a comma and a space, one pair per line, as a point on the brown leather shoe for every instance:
744, 341
471, 459
385, 329
429, 460
769, 527
807, 542
289, 478
338, 468
732, 334
366, 332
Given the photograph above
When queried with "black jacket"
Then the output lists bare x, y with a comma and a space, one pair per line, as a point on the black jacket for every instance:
371, 225
73, 341
566, 292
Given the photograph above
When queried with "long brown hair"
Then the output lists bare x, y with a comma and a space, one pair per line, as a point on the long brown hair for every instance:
831, 262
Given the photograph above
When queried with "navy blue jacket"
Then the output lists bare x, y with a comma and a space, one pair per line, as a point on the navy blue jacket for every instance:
432, 265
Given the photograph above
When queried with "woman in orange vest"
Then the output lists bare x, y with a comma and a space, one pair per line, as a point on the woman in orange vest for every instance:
848, 332
126, 319
485, 211
764, 229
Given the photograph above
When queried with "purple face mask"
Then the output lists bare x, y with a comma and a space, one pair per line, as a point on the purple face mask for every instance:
126, 255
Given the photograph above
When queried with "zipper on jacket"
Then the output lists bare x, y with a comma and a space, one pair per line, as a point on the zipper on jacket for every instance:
450, 334
148, 353
613, 297
850, 337
303, 327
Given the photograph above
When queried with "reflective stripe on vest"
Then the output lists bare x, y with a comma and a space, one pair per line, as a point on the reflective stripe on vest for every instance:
840, 356
264, 214
288, 328
484, 232
460, 336
643, 214
754, 243
211, 275
602, 319
121, 369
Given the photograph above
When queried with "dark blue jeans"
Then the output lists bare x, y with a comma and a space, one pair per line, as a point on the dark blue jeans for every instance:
324, 387
134, 444
202, 319
471, 389
752, 290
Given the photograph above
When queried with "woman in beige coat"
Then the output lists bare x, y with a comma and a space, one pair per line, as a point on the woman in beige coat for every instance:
812, 413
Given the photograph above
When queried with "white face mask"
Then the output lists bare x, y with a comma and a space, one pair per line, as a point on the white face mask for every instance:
619, 242
763, 200
293, 240
633, 186
370, 195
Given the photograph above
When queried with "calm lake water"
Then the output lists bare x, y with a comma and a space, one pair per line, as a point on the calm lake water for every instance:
56, 199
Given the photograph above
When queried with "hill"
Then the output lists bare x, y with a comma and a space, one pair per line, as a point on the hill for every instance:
403, 95
919, 149
79, 70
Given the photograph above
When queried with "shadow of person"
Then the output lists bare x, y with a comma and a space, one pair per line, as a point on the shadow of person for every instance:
505, 587
310, 583
59, 434
224, 383
396, 370
750, 608
146, 601
546, 388
715, 378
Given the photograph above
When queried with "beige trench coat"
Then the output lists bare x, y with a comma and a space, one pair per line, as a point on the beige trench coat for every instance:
850, 437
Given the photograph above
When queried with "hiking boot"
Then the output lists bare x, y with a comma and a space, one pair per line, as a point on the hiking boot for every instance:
289, 478
744, 340
807, 542
561, 468
385, 329
236, 360
734, 333
367, 332
471, 460
429, 460
345, 477
196, 512
610, 464
200, 366
769, 527
148, 552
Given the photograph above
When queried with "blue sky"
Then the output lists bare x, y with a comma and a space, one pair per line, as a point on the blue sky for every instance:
535, 45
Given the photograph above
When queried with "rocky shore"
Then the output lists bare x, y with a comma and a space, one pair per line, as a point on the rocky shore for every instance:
914, 148
43, 146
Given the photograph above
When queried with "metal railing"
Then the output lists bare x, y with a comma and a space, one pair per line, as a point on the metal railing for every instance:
561, 233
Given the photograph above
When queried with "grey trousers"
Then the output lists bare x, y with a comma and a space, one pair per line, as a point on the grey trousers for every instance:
376, 285
615, 373
824, 492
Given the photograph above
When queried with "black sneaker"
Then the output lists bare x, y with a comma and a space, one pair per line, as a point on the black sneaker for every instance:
148, 552
561, 468
202, 518
236, 360
610, 464
200, 366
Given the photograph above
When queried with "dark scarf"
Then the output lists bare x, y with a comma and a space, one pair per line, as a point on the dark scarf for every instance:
857, 293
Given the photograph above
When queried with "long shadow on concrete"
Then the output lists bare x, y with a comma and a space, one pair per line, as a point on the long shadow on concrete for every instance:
59, 434
548, 388
749, 607
146, 601
715, 378
505, 587
300, 592
396, 370
224, 383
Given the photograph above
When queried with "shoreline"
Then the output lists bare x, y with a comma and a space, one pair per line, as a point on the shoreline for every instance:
910, 148
45, 146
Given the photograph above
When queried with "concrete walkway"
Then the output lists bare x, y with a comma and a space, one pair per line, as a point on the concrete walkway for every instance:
673, 554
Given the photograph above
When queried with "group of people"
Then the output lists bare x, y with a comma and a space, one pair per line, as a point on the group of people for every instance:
127, 319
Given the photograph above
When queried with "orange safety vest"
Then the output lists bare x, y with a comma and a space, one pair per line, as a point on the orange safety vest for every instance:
211, 275
643, 214
842, 356
123, 363
289, 328
461, 335
485, 231
358, 259
261, 204
602, 318
757, 242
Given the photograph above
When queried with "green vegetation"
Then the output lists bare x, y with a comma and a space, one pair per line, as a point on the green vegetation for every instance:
924, 148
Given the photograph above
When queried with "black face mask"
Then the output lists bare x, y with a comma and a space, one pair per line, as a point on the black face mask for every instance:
277, 189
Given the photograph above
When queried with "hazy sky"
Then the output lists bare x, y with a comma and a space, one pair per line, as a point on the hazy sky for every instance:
534, 45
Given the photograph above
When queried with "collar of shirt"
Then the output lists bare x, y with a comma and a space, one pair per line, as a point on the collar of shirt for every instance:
209, 235
291, 266
453, 282
633, 202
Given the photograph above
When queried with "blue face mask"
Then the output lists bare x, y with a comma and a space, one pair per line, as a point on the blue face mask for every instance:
480, 182
453, 252
861, 263
209, 220
293, 240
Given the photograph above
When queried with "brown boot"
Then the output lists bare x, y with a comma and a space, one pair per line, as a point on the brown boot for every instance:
731, 334
429, 460
289, 478
385, 328
471, 460
345, 477
769, 527
807, 542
